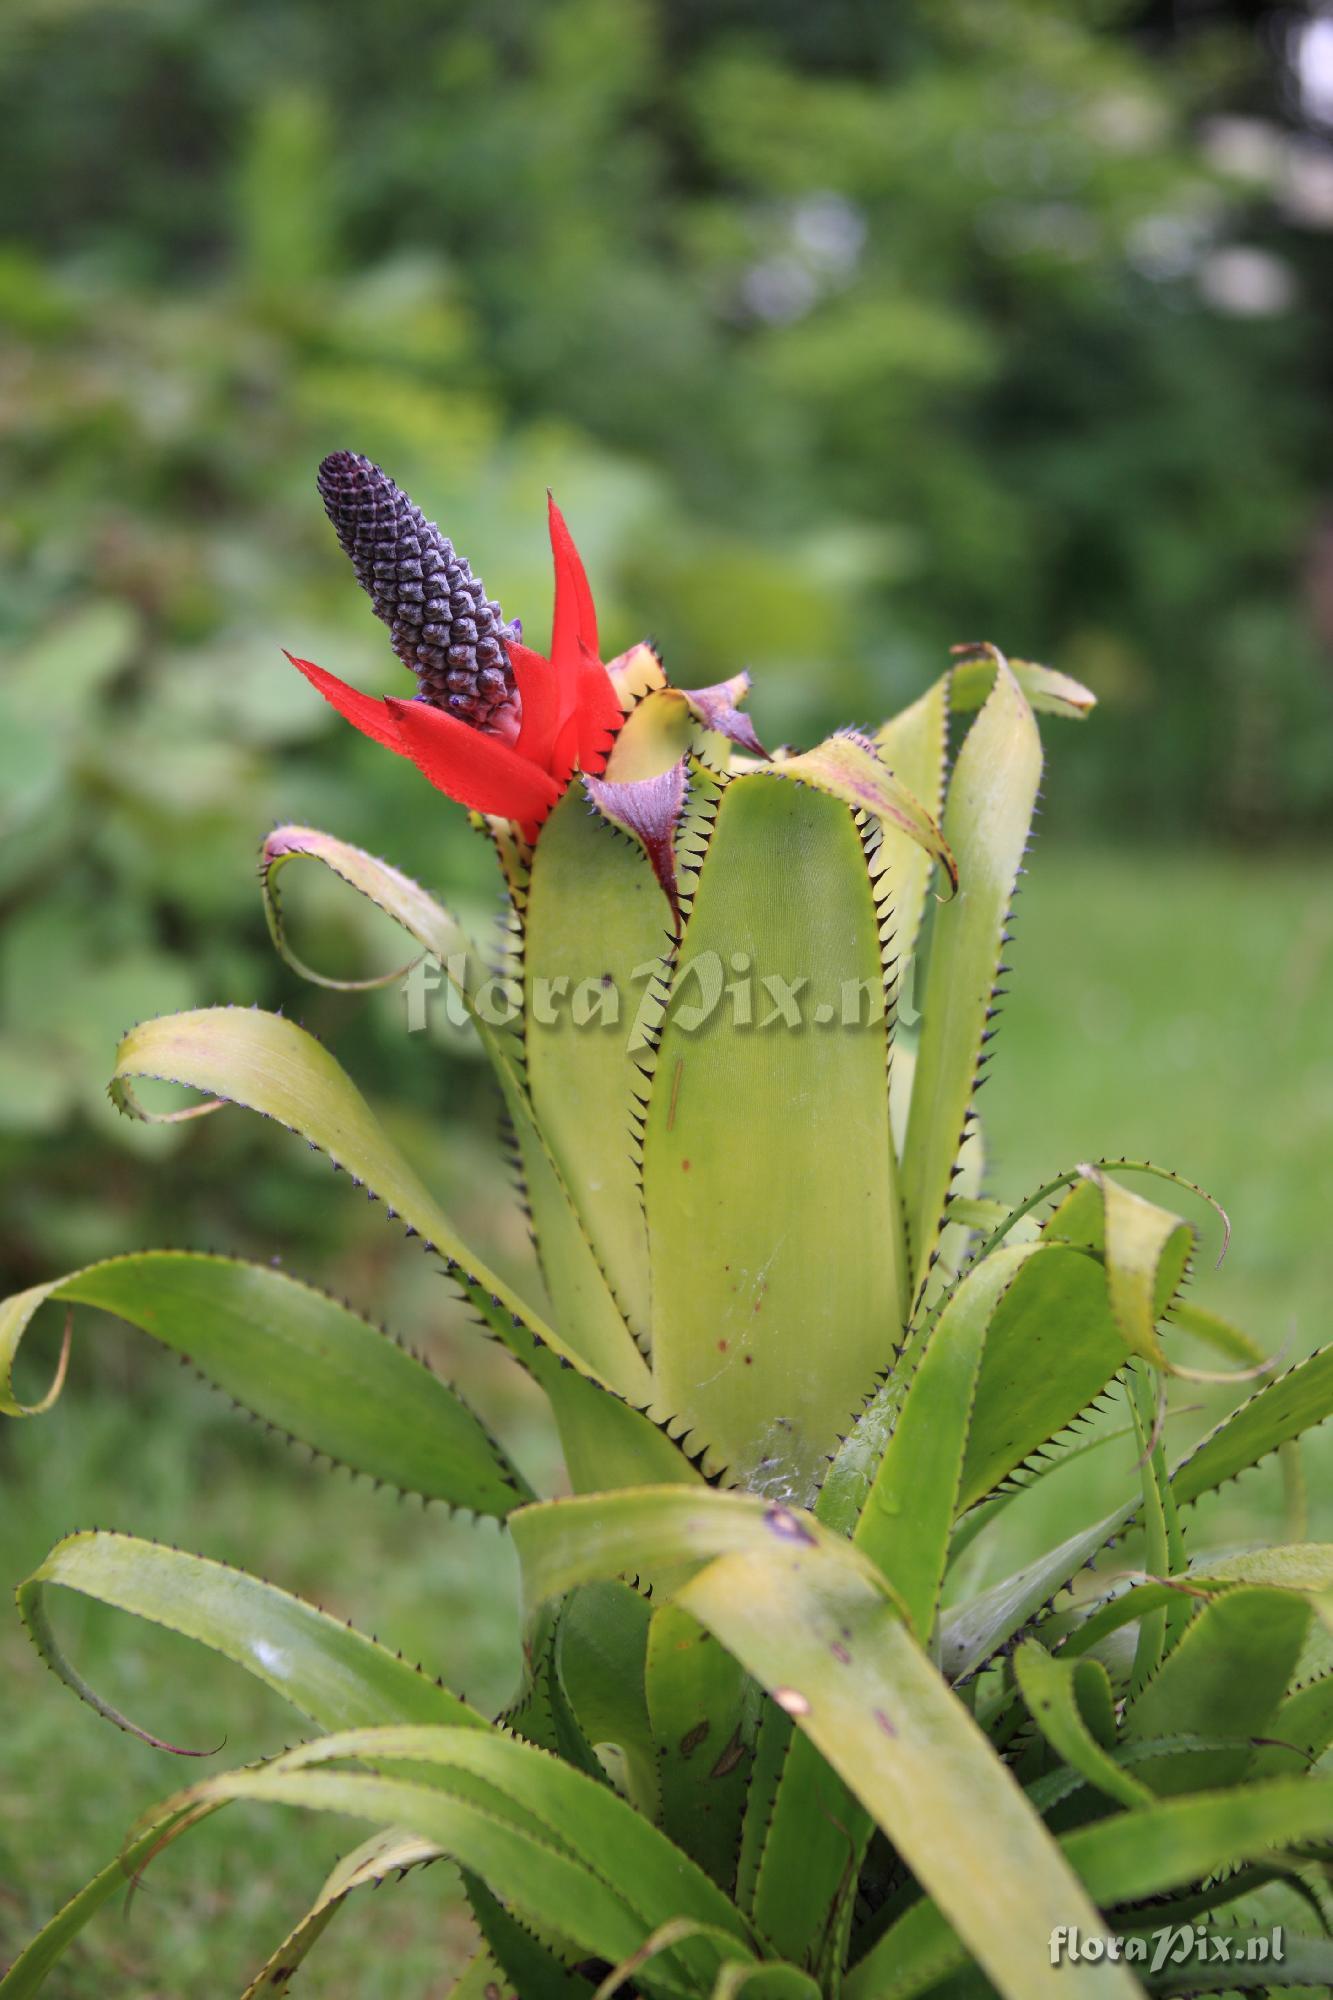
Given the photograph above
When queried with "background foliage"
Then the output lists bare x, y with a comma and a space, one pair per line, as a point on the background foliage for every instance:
842, 333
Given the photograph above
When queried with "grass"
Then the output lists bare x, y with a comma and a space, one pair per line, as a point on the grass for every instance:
1178, 1009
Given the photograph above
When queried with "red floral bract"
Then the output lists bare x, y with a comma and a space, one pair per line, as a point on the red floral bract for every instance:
571, 712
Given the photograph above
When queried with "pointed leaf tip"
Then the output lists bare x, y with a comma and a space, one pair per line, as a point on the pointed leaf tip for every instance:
717, 707
637, 673
650, 810
973, 675
849, 767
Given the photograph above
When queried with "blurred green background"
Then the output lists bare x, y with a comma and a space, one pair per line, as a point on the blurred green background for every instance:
842, 333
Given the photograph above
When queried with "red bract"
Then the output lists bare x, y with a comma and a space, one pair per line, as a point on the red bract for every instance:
571, 712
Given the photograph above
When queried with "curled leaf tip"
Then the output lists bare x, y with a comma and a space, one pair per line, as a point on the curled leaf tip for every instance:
649, 809
978, 649
718, 707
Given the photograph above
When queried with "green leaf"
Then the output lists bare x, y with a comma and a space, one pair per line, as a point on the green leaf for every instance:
673, 1932
1052, 1690
905, 1747
1052, 1347
1122, 1607
483, 1979
1141, 1240
851, 1473
773, 1741
991, 797
595, 930
535, 1971
900, 1512
308, 1365
658, 731
1224, 1678
703, 1723
1280, 1410
907, 1521
325, 1669
1163, 1550
1130, 1856
763, 1342
1285, 1565
565, 1543
240, 1055
601, 1661
1051, 1344
764, 1982
574, 1276
1047, 690
1237, 1345
584, 1816
1301, 1730
608, 1443
812, 1620
976, 1212
579, 1288
1066, 1326
1306, 1570
811, 1856
849, 767
1120, 1860
329, 1672
368, 1865
561, 1850
561, 1896
434, 929
1220, 1891
1218, 1333
1080, 1216
542, 1712
1063, 1452
973, 1632
914, 745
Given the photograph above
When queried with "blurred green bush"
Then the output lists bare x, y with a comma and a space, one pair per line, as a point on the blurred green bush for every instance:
842, 333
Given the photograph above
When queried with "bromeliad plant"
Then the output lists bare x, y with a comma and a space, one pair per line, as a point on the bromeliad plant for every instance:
770, 1741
